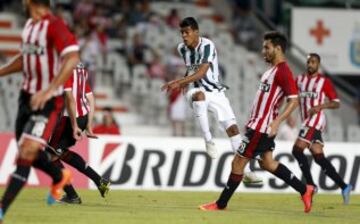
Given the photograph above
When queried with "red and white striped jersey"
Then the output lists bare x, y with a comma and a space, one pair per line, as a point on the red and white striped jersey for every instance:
312, 91
44, 42
79, 86
276, 83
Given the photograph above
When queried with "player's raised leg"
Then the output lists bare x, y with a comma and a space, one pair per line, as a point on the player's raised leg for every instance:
200, 109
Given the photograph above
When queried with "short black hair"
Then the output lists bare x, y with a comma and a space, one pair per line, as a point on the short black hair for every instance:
42, 2
315, 55
189, 21
277, 39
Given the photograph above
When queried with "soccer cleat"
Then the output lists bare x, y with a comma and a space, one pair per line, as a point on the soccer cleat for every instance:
104, 187
211, 149
67, 200
307, 198
210, 207
250, 179
1, 215
57, 189
346, 194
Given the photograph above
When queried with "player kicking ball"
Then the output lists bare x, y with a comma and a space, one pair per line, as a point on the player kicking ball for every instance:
276, 84
313, 89
203, 89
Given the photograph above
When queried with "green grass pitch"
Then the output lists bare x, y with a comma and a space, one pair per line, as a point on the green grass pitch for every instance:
161, 207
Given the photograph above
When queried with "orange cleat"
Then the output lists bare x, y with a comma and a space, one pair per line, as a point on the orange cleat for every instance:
307, 198
210, 207
57, 189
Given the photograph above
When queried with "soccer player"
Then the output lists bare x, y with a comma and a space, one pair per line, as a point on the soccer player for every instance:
313, 89
46, 41
204, 91
276, 83
77, 118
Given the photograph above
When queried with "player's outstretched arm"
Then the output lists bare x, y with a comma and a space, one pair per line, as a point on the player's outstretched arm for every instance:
291, 105
328, 105
70, 60
15, 65
183, 82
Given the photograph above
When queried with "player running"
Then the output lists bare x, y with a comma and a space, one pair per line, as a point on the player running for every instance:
258, 143
204, 91
46, 41
77, 118
313, 89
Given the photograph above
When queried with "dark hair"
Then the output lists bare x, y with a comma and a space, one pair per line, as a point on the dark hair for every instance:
277, 39
189, 21
315, 55
108, 109
42, 2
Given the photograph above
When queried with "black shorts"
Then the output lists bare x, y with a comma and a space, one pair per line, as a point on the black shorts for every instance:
311, 135
255, 143
37, 125
62, 138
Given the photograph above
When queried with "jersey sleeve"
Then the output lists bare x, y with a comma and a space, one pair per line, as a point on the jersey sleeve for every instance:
61, 37
330, 91
284, 78
68, 86
208, 53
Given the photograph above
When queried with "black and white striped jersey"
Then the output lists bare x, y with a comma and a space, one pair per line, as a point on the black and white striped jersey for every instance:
205, 52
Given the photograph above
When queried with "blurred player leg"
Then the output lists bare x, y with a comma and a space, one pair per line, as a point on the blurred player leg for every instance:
324, 163
298, 152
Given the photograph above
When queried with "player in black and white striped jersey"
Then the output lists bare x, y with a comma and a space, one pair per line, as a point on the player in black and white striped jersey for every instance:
203, 89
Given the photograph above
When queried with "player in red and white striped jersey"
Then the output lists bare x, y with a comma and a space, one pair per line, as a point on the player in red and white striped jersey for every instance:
258, 142
77, 118
45, 42
314, 88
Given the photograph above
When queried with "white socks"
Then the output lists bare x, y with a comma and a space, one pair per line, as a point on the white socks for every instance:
200, 112
235, 142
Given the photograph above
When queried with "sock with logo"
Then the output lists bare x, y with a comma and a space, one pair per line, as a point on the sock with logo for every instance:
233, 182
76, 161
288, 177
329, 170
17, 181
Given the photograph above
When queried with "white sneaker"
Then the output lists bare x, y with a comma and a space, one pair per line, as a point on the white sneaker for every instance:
211, 149
250, 178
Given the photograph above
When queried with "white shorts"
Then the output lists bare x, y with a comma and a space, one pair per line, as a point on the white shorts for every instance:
217, 102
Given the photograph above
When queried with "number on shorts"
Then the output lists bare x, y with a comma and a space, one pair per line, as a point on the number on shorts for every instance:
304, 131
38, 129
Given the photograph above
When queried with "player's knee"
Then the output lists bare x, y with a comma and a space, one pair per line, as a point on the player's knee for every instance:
198, 96
231, 127
297, 151
28, 149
